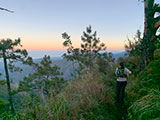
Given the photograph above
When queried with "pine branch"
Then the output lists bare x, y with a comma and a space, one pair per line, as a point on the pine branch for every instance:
156, 8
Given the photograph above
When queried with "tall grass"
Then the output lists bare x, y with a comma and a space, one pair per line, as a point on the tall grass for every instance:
86, 98
146, 108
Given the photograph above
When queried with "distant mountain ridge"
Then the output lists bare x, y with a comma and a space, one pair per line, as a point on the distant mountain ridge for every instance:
66, 68
118, 55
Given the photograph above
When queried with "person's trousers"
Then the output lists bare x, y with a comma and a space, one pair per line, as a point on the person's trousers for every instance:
121, 91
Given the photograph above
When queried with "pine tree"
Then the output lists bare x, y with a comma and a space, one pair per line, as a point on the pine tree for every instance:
151, 26
10, 53
87, 55
46, 78
145, 46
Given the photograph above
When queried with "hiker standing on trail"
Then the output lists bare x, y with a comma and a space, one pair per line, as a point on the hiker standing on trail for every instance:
122, 73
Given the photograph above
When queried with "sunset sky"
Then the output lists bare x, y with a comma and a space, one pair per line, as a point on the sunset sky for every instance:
40, 23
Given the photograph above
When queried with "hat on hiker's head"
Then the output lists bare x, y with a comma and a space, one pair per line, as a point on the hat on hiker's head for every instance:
121, 64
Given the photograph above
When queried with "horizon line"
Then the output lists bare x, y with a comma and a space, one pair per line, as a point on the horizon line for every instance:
60, 49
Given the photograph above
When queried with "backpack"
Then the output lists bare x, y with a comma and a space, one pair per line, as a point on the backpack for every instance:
121, 73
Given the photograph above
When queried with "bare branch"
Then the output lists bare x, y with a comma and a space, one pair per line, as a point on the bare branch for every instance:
6, 10
157, 22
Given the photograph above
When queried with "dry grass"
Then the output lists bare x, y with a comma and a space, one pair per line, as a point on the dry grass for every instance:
81, 96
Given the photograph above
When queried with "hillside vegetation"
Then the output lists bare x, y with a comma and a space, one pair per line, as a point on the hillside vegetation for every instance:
90, 92
90, 95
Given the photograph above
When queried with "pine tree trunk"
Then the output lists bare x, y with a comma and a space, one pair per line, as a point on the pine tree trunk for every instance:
42, 94
8, 82
148, 42
74, 72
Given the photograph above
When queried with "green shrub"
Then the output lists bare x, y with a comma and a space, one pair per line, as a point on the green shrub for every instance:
144, 94
146, 80
151, 77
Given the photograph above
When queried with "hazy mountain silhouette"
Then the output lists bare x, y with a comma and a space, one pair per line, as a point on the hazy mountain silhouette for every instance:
66, 68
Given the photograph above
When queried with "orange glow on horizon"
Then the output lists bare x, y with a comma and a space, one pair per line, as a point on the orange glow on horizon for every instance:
59, 47
63, 49
56, 43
